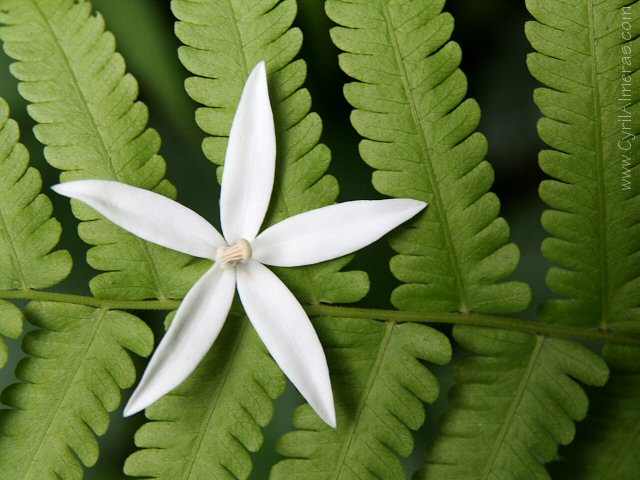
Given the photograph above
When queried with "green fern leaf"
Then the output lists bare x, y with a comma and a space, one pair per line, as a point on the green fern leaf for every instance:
10, 326
419, 136
594, 219
72, 379
515, 402
608, 441
223, 40
28, 233
223, 403
92, 127
590, 114
380, 384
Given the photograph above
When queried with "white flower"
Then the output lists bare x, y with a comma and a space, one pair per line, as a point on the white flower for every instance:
304, 239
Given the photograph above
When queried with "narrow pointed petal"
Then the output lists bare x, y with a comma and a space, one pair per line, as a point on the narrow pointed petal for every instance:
148, 215
288, 334
195, 327
249, 165
332, 231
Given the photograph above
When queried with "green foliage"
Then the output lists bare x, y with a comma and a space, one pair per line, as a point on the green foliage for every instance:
608, 441
380, 385
28, 233
514, 403
591, 118
10, 326
517, 395
204, 428
595, 217
92, 127
72, 378
419, 136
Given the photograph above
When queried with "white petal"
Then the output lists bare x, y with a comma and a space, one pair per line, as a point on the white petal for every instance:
195, 327
148, 215
250, 162
332, 231
288, 334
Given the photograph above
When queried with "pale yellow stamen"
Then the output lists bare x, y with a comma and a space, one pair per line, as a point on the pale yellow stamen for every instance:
229, 257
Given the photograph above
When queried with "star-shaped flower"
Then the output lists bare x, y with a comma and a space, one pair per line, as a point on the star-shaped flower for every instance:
240, 255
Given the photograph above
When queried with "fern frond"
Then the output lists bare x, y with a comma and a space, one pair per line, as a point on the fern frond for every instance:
516, 400
10, 326
608, 441
594, 221
87, 117
380, 384
92, 127
205, 427
590, 114
28, 233
419, 136
72, 380
591, 117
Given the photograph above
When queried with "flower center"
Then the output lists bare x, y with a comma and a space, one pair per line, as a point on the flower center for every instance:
229, 257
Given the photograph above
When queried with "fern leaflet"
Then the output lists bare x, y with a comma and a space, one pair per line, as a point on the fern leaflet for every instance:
84, 105
516, 395
380, 385
27, 231
608, 441
176, 449
419, 138
10, 326
72, 380
590, 114
594, 221
92, 127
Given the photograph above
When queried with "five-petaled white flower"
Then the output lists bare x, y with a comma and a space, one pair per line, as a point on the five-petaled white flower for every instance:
311, 237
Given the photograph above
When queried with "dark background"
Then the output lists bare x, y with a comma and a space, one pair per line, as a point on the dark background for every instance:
494, 47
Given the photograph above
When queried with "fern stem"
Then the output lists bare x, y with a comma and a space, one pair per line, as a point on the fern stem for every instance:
90, 301
474, 319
